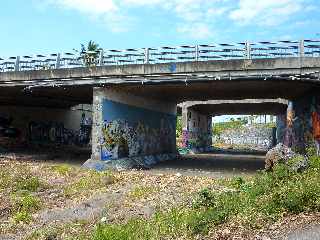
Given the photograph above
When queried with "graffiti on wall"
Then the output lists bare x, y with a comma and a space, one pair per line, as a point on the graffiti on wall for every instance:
56, 133
132, 131
303, 123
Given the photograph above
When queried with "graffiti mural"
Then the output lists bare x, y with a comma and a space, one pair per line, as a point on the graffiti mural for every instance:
303, 125
132, 131
56, 133
196, 137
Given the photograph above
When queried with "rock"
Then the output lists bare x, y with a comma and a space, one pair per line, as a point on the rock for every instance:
285, 155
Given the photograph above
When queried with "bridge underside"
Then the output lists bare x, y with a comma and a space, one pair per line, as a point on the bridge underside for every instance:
53, 97
146, 91
66, 96
236, 108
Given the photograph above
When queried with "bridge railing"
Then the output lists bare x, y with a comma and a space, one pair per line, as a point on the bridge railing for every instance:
166, 54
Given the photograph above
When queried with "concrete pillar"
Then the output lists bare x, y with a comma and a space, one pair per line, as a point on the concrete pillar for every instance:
131, 131
303, 125
197, 130
97, 124
281, 127
289, 134
185, 129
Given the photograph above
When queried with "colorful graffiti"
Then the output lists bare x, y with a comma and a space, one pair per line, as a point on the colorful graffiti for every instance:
303, 125
197, 137
131, 131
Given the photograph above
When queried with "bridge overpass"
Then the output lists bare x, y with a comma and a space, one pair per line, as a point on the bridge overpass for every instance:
134, 102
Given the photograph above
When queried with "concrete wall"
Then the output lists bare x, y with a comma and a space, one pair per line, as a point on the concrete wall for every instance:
251, 136
49, 117
127, 126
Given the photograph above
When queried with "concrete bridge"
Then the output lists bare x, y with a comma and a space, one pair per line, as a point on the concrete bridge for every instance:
134, 105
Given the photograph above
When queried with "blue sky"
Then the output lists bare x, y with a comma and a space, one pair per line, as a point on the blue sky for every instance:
44, 26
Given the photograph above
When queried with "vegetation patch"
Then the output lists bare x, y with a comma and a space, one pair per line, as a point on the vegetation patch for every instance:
253, 202
24, 205
142, 192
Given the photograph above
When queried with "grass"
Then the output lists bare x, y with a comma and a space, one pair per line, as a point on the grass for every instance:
24, 205
63, 169
142, 192
253, 202
78, 230
91, 180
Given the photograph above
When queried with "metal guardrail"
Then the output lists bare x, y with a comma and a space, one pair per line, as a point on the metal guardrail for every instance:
167, 54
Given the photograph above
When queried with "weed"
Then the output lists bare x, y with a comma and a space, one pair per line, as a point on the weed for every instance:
24, 206
27, 182
62, 169
265, 197
22, 216
142, 192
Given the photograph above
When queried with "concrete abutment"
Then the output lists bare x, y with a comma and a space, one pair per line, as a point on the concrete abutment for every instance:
131, 131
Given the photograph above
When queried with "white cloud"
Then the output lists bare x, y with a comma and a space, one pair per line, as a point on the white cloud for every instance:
269, 13
195, 18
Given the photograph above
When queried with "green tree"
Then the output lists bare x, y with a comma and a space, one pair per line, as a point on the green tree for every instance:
90, 53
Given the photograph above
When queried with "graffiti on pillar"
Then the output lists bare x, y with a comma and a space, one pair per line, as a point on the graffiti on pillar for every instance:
197, 135
303, 125
132, 131
315, 118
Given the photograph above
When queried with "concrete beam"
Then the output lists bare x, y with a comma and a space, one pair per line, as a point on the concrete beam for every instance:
246, 106
216, 69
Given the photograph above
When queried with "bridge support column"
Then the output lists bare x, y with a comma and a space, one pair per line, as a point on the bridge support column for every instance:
196, 130
131, 131
303, 123
281, 127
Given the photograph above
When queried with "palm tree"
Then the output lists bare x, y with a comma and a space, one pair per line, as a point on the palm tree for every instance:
90, 53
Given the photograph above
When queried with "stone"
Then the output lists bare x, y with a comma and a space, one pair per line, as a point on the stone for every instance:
283, 154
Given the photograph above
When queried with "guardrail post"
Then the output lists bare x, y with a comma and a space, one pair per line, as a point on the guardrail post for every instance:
197, 53
17, 64
301, 48
146, 55
247, 50
101, 60
58, 61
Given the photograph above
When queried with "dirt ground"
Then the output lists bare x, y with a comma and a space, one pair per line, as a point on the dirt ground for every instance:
73, 200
